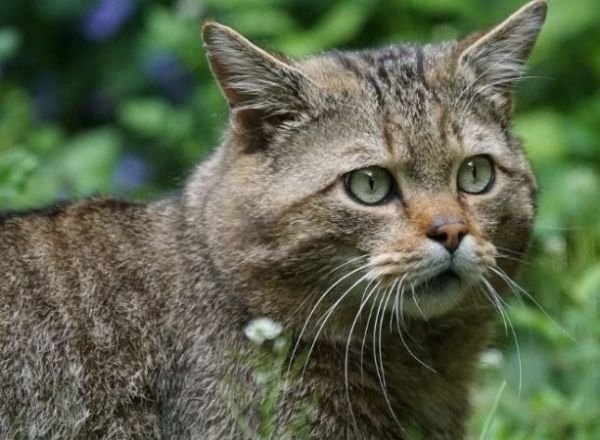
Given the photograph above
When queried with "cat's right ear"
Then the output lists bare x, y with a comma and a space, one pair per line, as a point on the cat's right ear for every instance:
494, 61
261, 88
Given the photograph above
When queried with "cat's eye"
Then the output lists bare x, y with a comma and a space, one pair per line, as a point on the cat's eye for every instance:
476, 175
370, 185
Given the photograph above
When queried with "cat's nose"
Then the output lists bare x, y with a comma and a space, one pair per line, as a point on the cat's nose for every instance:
448, 231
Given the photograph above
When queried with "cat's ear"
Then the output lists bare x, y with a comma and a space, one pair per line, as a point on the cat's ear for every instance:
259, 86
496, 59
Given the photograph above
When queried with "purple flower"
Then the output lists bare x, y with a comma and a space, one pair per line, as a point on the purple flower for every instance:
105, 18
131, 172
166, 72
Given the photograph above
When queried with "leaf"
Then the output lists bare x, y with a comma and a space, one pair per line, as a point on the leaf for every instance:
543, 136
146, 117
337, 27
587, 290
10, 40
89, 159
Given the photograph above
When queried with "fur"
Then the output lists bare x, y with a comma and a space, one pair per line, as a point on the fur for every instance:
124, 320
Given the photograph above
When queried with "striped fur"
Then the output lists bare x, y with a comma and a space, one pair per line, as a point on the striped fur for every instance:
124, 320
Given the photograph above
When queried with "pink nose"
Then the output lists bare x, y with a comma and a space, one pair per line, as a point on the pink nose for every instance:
448, 231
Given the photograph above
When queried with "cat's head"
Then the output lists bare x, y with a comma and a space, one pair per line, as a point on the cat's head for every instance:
382, 175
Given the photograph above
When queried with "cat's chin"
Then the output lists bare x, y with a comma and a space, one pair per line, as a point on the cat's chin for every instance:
434, 296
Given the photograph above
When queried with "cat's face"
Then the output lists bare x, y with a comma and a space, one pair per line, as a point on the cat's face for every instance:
387, 175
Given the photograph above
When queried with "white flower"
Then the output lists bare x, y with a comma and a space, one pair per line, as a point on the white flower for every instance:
491, 358
260, 329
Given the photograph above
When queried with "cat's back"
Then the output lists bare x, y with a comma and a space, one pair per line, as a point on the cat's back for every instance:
67, 251
79, 306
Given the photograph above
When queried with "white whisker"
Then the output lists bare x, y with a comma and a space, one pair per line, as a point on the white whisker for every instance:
414, 297
383, 312
395, 303
328, 314
374, 341
378, 355
364, 300
507, 257
346, 263
498, 306
512, 330
306, 322
519, 290
362, 348
401, 333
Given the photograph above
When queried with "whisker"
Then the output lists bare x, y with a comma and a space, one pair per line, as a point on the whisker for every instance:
402, 314
364, 301
346, 263
397, 300
512, 330
305, 301
516, 288
507, 257
375, 357
383, 312
510, 251
414, 297
328, 314
380, 369
558, 228
306, 322
494, 301
401, 333
395, 303
362, 348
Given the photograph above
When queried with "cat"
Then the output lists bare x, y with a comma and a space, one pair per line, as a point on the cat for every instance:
361, 199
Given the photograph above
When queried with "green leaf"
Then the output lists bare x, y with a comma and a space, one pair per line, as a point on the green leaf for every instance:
146, 117
587, 290
155, 118
89, 159
543, 136
10, 39
16, 165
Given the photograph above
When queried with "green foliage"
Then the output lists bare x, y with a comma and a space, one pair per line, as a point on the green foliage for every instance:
124, 104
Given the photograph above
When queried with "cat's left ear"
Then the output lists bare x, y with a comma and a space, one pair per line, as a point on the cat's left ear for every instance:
495, 59
261, 88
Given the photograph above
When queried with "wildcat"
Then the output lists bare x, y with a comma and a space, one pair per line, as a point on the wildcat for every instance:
362, 199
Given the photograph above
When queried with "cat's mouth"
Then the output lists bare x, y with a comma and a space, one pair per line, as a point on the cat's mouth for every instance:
441, 282
426, 288
434, 295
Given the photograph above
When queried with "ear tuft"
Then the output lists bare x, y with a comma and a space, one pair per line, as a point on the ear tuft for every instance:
496, 59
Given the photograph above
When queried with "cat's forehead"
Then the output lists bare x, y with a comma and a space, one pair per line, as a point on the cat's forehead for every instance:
396, 74
403, 91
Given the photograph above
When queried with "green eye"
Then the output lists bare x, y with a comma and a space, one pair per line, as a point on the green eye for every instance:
369, 185
476, 175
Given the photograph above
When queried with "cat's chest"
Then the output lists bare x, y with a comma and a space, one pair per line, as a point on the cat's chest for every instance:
384, 392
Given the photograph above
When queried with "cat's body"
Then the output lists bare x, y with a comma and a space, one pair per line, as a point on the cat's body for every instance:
113, 347
122, 320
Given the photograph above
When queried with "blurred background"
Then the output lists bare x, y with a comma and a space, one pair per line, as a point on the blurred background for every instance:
115, 97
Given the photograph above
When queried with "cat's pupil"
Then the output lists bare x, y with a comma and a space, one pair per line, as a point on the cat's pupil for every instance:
371, 182
474, 171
